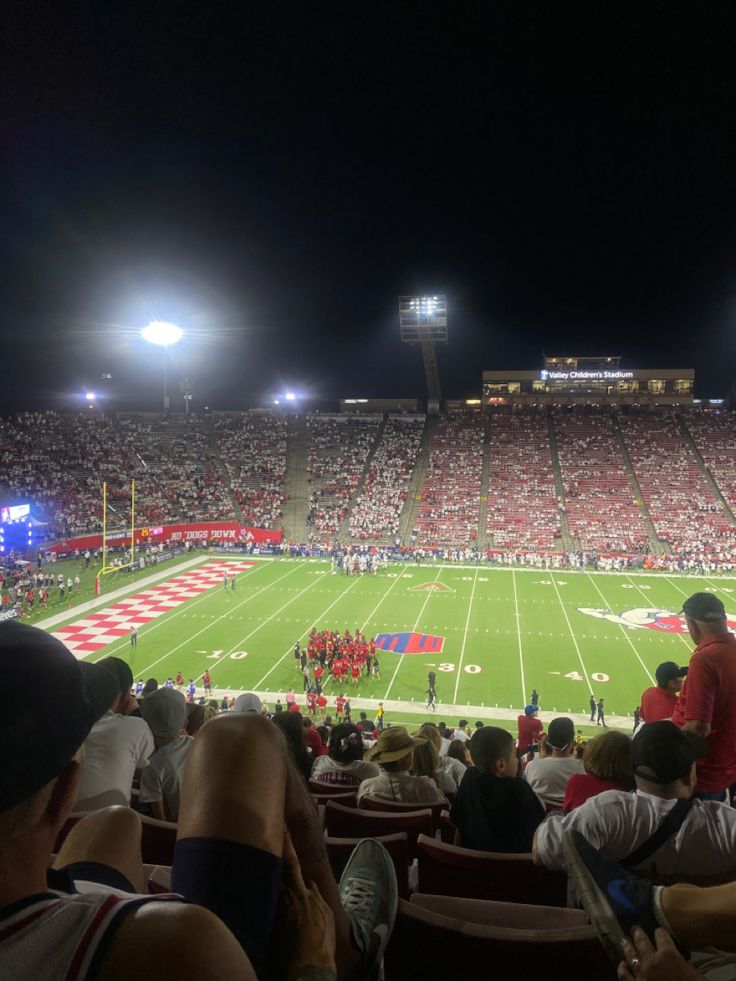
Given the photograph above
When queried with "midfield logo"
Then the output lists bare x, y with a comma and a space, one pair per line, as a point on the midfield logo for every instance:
649, 618
409, 642
428, 587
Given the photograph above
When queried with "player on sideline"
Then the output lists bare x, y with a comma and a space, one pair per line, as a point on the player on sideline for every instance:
431, 697
207, 682
133, 636
233, 579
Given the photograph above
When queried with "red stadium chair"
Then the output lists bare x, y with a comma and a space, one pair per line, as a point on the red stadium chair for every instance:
347, 799
448, 870
339, 851
427, 943
157, 841
348, 822
399, 807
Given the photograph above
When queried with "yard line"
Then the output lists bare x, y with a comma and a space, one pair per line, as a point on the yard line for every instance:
465, 637
624, 631
416, 624
290, 648
184, 608
682, 591
211, 623
572, 632
518, 637
720, 589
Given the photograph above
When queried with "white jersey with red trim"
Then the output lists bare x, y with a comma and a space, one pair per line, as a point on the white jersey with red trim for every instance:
58, 937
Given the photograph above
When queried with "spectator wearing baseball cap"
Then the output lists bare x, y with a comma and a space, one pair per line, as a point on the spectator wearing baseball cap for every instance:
530, 728
660, 701
707, 703
117, 746
165, 711
548, 776
697, 838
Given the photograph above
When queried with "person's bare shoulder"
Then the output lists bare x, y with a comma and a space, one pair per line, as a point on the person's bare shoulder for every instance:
172, 940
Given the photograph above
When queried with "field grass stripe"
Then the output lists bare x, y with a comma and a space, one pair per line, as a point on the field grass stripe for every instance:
625, 631
211, 623
416, 624
465, 638
572, 632
314, 622
162, 621
518, 637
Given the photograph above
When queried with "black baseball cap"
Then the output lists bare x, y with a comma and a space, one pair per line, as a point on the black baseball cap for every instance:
667, 671
63, 698
705, 607
560, 733
661, 752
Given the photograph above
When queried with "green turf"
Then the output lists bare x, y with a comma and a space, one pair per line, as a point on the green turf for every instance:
505, 632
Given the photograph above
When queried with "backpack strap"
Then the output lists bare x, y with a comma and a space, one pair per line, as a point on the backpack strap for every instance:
669, 827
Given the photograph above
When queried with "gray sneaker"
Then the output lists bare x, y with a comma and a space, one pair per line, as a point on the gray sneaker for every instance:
370, 896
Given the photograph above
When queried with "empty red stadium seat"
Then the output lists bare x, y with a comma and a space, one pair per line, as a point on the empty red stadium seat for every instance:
349, 822
399, 807
448, 870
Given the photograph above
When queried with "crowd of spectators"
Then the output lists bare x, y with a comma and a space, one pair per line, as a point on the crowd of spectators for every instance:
687, 516
522, 511
450, 499
337, 452
377, 508
713, 434
601, 511
252, 448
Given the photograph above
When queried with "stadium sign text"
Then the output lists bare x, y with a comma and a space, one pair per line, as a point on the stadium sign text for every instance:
10, 614
586, 375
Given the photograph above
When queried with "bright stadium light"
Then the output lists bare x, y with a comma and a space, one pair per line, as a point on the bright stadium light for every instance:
90, 396
290, 396
163, 334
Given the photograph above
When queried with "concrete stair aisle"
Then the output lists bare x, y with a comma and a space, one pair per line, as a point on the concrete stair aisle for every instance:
654, 543
567, 543
406, 521
219, 463
297, 486
485, 480
343, 532
704, 467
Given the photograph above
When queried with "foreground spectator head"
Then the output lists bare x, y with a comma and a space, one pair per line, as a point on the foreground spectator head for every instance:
426, 754
608, 757
458, 750
248, 702
492, 750
124, 680
393, 749
561, 736
290, 723
346, 744
150, 686
41, 736
705, 614
165, 711
662, 754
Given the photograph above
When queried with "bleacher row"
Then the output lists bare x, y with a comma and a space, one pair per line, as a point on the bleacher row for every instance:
234, 466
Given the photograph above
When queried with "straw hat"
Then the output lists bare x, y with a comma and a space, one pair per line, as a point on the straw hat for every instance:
393, 744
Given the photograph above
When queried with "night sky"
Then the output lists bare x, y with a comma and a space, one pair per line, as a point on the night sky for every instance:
273, 180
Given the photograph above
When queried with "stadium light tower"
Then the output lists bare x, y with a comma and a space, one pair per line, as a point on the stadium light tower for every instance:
163, 334
423, 320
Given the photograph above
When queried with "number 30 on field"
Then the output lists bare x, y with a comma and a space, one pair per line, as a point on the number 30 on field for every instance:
596, 676
470, 668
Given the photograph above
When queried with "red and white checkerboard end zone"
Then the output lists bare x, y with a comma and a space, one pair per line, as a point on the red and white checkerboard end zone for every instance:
102, 627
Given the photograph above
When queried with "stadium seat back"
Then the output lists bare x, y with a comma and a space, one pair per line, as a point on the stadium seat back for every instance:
347, 798
158, 840
349, 822
429, 944
400, 807
448, 870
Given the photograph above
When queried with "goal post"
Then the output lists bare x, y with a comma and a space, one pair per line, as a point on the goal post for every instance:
116, 535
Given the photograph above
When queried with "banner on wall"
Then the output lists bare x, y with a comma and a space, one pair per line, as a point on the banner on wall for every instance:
197, 532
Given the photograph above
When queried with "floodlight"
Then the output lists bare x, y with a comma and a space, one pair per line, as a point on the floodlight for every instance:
162, 333
290, 397
90, 396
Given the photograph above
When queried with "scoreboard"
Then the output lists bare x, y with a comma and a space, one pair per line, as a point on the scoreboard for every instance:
16, 528
14, 513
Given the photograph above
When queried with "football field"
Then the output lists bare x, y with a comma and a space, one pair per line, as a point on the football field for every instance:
491, 635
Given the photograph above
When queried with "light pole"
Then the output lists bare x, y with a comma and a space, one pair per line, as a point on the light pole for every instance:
163, 334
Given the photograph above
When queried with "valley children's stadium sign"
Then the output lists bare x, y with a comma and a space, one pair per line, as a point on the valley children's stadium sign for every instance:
585, 375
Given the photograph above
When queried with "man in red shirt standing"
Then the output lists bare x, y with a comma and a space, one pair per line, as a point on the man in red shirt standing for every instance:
707, 703
530, 728
660, 701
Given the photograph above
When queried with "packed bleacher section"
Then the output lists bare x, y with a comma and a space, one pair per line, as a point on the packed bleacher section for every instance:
450, 505
523, 511
599, 501
686, 514
376, 511
252, 448
714, 434
337, 452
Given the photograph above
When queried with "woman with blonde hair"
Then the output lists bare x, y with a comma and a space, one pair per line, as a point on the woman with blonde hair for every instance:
607, 763
448, 772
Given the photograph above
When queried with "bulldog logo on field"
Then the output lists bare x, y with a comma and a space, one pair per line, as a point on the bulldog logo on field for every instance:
649, 618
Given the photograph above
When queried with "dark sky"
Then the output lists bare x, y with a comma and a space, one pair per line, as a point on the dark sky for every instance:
273, 180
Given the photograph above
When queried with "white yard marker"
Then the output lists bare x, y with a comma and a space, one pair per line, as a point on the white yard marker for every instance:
465, 638
572, 632
625, 632
518, 637
416, 624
